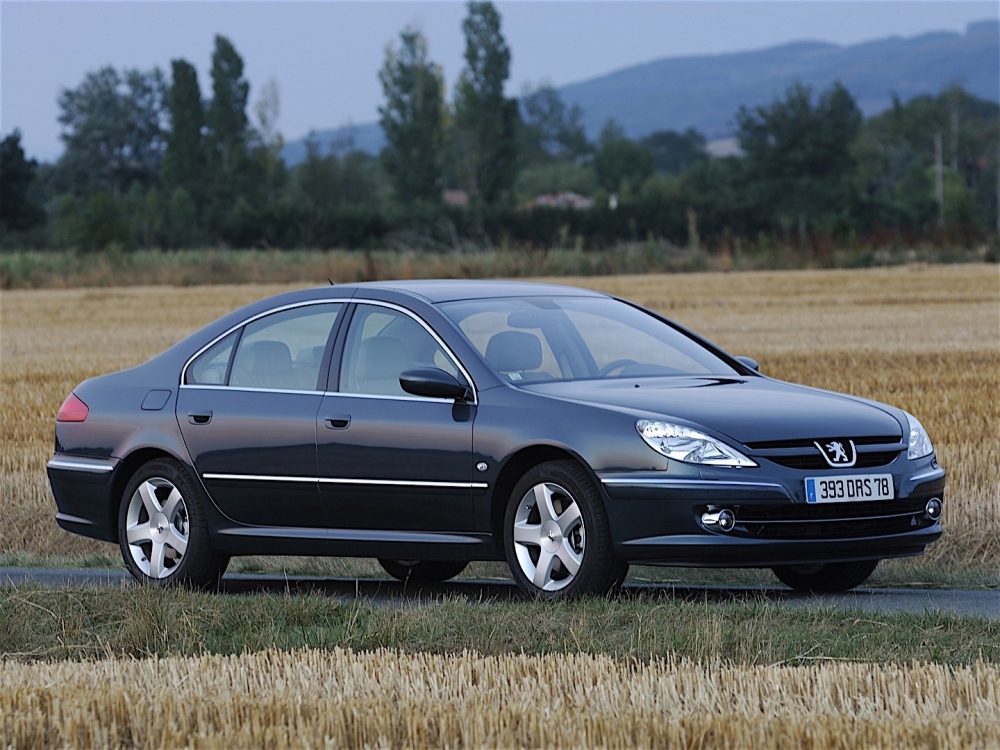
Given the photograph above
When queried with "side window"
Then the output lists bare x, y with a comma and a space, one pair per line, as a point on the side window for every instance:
211, 365
284, 350
383, 343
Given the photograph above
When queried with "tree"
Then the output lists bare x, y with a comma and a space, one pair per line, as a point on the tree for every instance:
412, 119
113, 130
798, 154
227, 115
227, 135
550, 129
675, 152
17, 212
895, 154
327, 188
269, 141
621, 163
485, 120
184, 162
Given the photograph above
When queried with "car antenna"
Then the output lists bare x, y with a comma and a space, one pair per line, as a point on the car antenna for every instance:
331, 281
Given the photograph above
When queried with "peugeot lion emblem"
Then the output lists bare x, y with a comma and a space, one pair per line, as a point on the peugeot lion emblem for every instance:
840, 454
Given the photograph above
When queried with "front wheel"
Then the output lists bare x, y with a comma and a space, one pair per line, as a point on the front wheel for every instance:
556, 534
162, 529
422, 571
826, 577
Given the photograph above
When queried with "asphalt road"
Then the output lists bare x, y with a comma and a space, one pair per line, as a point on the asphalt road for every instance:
983, 603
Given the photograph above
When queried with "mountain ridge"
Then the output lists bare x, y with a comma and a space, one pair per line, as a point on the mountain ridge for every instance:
705, 91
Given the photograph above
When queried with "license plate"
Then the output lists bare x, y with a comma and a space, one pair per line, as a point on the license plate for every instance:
848, 489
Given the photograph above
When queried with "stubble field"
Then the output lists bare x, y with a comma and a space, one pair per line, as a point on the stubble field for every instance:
383, 698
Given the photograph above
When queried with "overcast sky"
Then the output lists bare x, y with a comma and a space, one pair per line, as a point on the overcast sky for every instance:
325, 55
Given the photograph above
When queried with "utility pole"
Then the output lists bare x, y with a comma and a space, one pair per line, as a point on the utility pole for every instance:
939, 178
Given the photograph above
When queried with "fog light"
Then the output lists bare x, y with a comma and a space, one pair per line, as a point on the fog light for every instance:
723, 520
933, 508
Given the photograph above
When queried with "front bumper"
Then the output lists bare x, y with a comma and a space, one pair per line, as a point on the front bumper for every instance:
657, 520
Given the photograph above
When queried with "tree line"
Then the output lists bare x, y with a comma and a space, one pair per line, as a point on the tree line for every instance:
152, 163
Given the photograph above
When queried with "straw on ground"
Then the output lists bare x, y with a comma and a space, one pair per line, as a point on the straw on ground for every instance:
384, 698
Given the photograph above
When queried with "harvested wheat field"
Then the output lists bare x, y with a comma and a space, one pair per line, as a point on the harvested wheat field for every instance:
925, 338
384, 698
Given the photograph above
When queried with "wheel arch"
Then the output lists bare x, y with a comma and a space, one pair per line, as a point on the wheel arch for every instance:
513, 469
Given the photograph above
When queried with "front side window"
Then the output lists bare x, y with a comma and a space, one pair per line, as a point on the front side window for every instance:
530, 340
382, 343
281, 351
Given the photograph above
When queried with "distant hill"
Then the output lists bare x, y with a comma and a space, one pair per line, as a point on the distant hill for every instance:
704, 92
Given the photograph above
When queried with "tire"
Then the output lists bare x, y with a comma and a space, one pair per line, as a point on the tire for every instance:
422, 571
827, 577
162, 530
556, 535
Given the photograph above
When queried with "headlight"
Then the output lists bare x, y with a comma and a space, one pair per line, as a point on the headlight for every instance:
920, 442
684, 444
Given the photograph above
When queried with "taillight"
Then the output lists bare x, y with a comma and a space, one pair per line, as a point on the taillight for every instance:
72, 410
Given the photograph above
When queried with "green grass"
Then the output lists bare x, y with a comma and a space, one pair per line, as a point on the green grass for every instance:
31, 269
50, 624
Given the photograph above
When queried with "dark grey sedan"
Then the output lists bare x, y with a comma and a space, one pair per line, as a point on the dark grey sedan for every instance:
430, 423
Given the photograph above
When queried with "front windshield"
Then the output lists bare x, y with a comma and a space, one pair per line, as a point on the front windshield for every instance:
532, 339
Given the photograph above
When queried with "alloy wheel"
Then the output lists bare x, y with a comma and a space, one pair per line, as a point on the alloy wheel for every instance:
157, 527
549, 536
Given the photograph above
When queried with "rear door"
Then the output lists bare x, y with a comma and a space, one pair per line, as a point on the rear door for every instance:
247, 410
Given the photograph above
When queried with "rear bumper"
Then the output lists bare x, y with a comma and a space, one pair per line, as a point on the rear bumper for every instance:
656, 521
82, 490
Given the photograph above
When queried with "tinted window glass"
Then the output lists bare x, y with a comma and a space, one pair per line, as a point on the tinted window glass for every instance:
210, 367
578, 338
284, 350
381, 344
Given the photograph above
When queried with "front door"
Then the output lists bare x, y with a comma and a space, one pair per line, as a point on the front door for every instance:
387, 460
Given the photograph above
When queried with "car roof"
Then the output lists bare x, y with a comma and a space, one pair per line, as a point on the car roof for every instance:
453, 290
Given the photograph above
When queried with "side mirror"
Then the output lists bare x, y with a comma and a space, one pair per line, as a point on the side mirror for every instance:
433, 383
751, 363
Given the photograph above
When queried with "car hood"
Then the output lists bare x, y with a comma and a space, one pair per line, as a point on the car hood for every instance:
749, 410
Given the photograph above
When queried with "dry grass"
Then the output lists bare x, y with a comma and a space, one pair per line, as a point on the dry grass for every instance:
386, 698
926, 338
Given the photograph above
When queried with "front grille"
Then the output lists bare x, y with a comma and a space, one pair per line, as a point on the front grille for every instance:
814, 461
831, 521
805, 456
810, 442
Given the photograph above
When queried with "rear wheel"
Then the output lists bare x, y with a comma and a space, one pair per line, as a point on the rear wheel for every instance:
556, 534
826, 577
162, 531
423, 571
